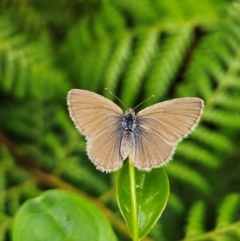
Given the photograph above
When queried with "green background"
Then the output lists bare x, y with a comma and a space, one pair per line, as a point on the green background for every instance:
168, 48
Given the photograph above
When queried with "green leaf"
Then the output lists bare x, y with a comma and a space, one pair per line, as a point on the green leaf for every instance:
61, 215
152, 190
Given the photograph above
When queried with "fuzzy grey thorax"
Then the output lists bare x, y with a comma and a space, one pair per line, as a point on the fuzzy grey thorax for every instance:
129, 120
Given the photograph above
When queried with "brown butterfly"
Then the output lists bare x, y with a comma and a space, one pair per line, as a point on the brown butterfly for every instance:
149, 137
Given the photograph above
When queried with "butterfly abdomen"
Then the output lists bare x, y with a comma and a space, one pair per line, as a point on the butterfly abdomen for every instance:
126, 144
128, 129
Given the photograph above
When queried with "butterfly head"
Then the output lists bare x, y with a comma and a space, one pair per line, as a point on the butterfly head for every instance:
129, 111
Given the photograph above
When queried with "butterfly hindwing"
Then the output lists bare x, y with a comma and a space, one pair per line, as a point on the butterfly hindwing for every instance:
104, 150
150, 150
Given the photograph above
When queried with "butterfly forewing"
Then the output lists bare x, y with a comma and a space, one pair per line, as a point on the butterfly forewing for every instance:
92, 113
172, 120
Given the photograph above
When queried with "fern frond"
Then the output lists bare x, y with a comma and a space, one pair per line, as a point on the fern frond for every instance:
116, 63
167, 62
214, 140
26, 68
98, 61
112, 18
195, 220
146, 43
222, 118
32, 23
189, 176
2, 182
70, 171
146, 12
228, 211
196, 10
195, 153
175, 202
158, 232
227, 224
226, 101
12, 184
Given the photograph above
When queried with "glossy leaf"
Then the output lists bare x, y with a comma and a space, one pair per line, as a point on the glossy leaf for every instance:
61, 215
152, 190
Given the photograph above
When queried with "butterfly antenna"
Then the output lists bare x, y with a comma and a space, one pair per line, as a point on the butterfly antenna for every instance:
144, 101
115, 97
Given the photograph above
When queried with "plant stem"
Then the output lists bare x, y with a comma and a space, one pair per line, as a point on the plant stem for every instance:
231, 228
133, 201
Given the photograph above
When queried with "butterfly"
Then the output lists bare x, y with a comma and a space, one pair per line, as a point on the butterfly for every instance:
149, 138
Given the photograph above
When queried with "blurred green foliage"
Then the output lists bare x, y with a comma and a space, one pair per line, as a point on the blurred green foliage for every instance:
168, 48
